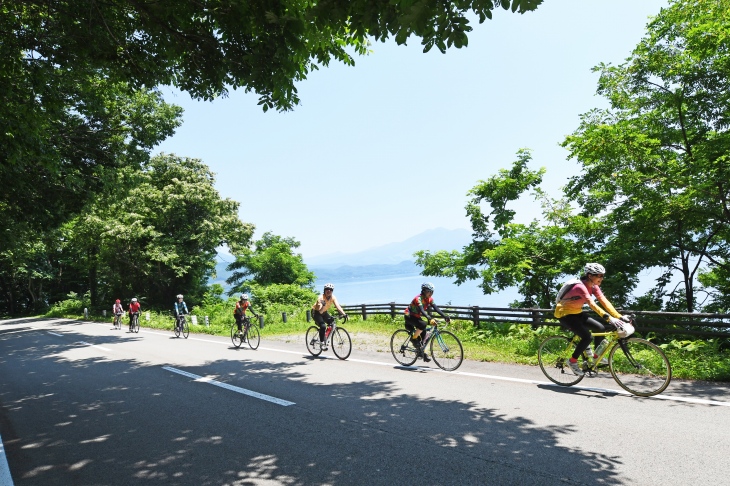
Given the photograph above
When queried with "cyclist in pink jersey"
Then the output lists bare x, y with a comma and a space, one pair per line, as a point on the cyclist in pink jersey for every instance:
569, 311
419, 307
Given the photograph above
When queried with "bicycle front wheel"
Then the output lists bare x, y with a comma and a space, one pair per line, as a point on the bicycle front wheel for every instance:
236, 337
253, 336
553, 357
640, 367
177, 329
446, 350
341, 344
402, 348
313, 341
186, 329
135, 324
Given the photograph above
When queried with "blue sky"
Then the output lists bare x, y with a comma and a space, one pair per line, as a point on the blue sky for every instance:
382, 151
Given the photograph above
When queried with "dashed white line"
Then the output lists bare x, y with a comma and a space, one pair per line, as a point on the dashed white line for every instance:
243, 391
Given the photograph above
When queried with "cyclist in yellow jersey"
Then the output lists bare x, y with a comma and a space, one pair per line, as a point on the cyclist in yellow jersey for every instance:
320, 314
419, 306
569, 311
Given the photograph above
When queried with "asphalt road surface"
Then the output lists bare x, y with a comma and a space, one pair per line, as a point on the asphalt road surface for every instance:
82, 404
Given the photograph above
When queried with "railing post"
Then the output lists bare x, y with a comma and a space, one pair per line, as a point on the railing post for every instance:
535, 319
364, 312
261, 321
475, 315
283, 317
392, 310
309, 315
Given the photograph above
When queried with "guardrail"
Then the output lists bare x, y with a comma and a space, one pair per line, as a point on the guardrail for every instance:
678, 323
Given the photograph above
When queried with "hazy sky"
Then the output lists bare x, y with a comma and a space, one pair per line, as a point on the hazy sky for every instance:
379, 152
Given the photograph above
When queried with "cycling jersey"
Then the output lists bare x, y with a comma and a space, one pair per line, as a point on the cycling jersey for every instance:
117, 309
180, 308
241, 308
414, 308
324, 303
134, 307
571, 300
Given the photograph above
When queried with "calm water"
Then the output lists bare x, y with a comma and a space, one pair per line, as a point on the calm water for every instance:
402, 289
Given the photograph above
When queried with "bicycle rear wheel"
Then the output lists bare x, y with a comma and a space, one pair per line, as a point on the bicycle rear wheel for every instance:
341, 343
640, 367
313, 341
236, 337
253, 336
553, 357
446, 350
135, 324
402, 348
177, 328
186, 329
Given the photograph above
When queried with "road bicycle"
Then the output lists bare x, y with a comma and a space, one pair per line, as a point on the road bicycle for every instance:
639, 366
337, 336
181, 326
446, 349
249, 333
117, 321
134, 322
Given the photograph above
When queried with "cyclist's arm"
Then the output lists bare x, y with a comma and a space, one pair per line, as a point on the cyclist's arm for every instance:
423, 312
337, 305
607, 305
436, 308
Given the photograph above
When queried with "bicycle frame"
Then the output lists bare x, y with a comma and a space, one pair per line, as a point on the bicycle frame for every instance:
610, 336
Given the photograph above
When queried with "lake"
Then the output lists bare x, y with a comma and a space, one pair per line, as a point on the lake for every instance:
402, 289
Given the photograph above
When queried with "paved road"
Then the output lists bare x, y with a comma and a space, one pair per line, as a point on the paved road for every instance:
83, 404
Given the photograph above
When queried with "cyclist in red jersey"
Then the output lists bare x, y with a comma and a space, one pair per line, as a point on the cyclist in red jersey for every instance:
240, 312
134, 308
419, 307
569, 311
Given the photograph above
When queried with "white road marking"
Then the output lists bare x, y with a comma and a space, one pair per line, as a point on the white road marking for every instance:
94, 345
243, 391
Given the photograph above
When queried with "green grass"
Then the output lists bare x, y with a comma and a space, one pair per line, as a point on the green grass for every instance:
491, 342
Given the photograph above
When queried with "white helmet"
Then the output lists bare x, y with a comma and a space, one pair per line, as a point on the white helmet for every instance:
244, 296
134, 300
179, 296
427, 286
329, 286
594, 269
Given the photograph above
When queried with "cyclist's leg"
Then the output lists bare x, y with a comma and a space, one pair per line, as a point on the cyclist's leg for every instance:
238, 322
577, 324
320, 320
597, 326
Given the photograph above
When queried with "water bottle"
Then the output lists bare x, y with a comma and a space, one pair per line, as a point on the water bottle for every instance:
327, 332
601, 347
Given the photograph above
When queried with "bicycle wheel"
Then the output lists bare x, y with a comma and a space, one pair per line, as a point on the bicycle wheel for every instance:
253, 336
553, 357
341, 343
402, 348
446, 351
135, 324
177, 328
117, 323
313, 341
236, 338
640, 367
185, 329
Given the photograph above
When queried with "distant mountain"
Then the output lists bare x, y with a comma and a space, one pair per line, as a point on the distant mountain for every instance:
394, 253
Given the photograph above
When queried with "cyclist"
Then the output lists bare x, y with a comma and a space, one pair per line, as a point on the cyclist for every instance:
240, 312
320, 314
134, 308
117, 309
419, 307
569, 311
179, 309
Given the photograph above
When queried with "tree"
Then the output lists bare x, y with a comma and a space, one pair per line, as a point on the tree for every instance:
655, 164
272, 261
532, 257
206, 47
155, 236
